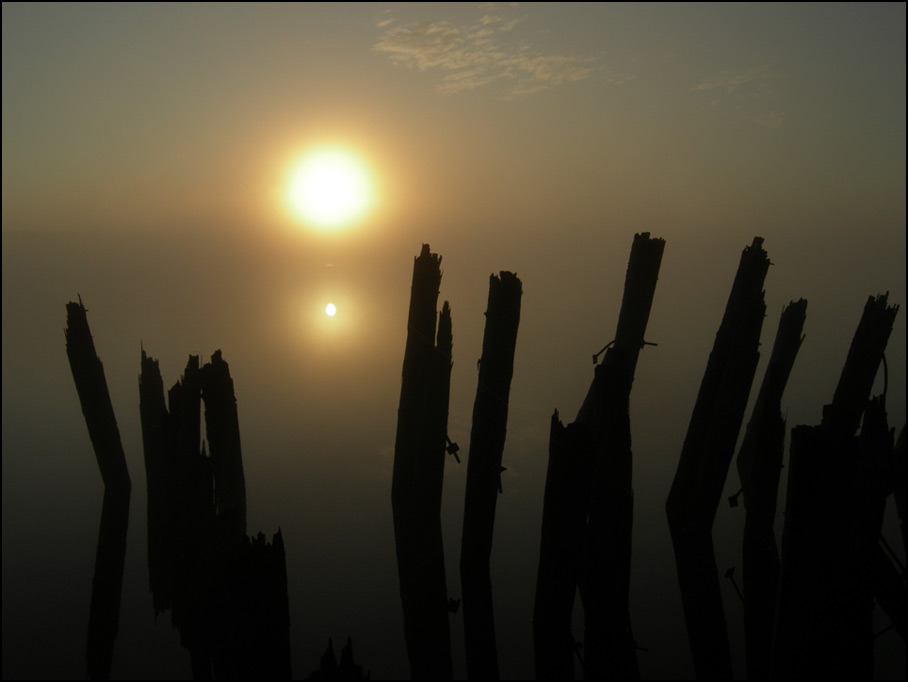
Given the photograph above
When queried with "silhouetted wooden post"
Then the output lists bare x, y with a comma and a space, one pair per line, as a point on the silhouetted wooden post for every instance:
107, 582
564, 510
160, 480
490, 416
589, 477
222, 427
609, 646
832, 517
227, 592
759, 466
181, 511
416, 486
900, 485
88, 374
705, 458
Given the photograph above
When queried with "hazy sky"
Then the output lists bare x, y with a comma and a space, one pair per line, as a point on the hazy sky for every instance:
146, 156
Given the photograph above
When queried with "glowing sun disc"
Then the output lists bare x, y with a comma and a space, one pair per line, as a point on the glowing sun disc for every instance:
329, 187
330, 310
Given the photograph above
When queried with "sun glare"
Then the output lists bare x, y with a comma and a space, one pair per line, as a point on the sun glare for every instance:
329, 188
330, 310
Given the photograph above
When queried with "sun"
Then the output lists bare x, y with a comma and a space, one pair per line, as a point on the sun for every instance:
329, 187
330, 310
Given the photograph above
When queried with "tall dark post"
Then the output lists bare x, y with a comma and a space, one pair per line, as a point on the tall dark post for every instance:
490, 417
88, 374
107, 582
416, 486
609, 645
160, 479
588, 507
705, 457
833, 513
564, 510
759, 466
223, 431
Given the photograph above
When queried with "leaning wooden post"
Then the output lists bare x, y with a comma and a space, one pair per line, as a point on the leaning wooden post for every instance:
705, 457
417, 478
88, 374
107, 582
609, 645
759, 466
490, 416
589, 476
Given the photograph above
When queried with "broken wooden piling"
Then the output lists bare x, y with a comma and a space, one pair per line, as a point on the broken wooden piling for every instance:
107, 580
833, 513
417, 478
759, 466
223, 431
227, 592
609, 646
88, 375
705, 457
588, 506
490, 416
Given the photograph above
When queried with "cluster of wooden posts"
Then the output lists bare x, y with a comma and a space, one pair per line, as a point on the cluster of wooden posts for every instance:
807, 613
227, 592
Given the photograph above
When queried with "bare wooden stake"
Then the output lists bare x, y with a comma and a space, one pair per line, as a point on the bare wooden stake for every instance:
588, 511
107, 581
705, 457
490, 416
417, 478
833, 515
759, 467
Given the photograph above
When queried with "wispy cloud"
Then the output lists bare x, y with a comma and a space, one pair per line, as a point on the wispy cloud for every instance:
731, 81
748, 90
474, 56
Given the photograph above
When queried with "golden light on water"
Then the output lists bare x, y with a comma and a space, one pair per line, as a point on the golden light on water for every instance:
330, 187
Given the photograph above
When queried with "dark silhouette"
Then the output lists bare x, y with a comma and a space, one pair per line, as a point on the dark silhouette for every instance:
227, 592
609, 645
900, 485
223, 429
330, 669
705, 458
419, 457
588, 507
88, 374
564, 512
759, 467
107, 582
888, 572
837, 486
806, 613
490, 417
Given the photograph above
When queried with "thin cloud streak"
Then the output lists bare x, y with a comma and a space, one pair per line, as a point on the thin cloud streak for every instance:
730, 81
746, 89
476, 56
